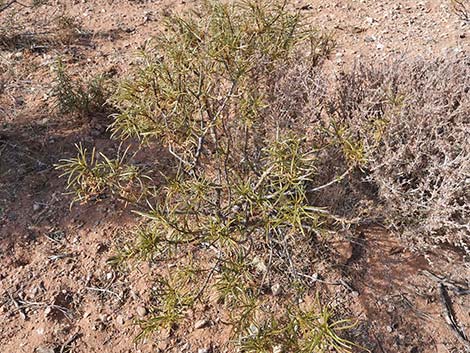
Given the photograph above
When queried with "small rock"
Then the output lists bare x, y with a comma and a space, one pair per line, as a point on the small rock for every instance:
36, 207
203, 350
185, 347
201, 324
370, 20
260, 265
44, 349
40, 331
389, 329
47, 311
276, 289
86, 314
380, 46
120, 320
369, 39
253, 329
95, 132
277, 349
141, 311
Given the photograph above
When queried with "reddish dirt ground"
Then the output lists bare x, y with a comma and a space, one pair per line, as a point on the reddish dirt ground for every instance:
57, 292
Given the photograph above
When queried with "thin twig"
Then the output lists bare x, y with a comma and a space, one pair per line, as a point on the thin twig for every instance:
69, 342
335, 180
17, 305
7, 5
63, 310
103, 290
209, 276
442, 280
450, 317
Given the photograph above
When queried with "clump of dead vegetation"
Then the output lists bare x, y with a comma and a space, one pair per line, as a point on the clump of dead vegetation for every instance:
263, 146
411, 119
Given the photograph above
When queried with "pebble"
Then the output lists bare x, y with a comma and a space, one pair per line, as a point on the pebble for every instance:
34, 291
141, 311
203, 350
260, 265
185, 347
370, 20
47, 311
36, 207
201, 324
95, 133
276, 289
120, 320
44, 349
277, 349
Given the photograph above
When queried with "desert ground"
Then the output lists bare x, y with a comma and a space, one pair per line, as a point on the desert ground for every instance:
58, 292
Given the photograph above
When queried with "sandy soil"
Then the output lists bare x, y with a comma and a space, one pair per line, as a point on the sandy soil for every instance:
57, 292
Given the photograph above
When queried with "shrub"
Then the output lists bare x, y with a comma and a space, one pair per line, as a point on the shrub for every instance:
412, 120
80, 97
235, 214
91, 177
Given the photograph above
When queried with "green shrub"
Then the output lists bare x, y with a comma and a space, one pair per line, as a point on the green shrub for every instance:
90, 177
80, 97
237, 199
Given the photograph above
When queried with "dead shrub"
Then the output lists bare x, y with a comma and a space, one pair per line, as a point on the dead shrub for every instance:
412, 120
